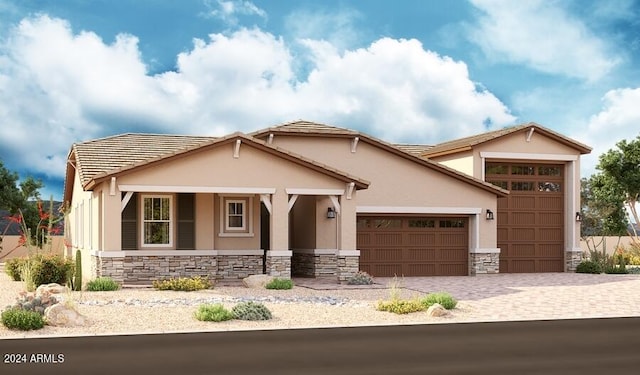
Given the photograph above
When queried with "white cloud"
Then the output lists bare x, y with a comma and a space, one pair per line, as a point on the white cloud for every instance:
542, 35
617, 120
58, 87
337, 27
228, 11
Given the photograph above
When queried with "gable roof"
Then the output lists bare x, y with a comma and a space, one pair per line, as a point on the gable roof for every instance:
414, 149
467, 143
100, 159
306, 128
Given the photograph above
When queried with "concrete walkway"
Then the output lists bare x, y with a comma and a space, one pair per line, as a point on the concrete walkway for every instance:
529, 296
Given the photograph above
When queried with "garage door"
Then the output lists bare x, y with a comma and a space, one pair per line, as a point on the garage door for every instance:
530, 219
413, 246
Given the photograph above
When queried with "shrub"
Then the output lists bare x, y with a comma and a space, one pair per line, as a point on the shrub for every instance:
617, 265
29, 302
186, 284
251, 311
360, 278
213, 313
102, 284
588, 266
400, 306
12, 268
443, 298
23, 320
278, 283
49, 268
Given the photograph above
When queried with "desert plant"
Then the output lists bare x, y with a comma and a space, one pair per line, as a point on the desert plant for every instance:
77, 275
251, 311
186, 284
400, 306
617, 265
278, 283
12, 268
23, 320
102, 284
213, 313
26, 275
360, 278
30, 302
50, 268
443, 298
588, 266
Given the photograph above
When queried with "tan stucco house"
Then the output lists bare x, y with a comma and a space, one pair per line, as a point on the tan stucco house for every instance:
308, 199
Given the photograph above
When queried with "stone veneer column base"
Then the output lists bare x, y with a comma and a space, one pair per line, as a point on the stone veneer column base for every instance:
484, 263
314, 263
278, 264
348, 266
572, 259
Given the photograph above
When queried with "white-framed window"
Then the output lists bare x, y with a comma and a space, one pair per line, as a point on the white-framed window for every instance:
157, 220
236, 216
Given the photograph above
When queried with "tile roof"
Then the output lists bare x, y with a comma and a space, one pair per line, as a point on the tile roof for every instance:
103, 155
305, 127
467, 143
413, 149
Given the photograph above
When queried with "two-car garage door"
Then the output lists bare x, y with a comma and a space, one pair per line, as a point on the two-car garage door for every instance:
413, 246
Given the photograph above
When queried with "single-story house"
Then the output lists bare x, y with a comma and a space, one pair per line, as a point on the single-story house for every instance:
308, 199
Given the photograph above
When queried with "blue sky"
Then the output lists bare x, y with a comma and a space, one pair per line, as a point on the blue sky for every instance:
404, 71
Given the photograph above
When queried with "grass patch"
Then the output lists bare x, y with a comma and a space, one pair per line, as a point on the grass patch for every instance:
102, 284
443, 298
213, 313
278, 283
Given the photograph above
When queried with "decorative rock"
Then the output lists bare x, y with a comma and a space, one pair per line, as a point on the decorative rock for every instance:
52, 288
60, 315
257, 281
437, 310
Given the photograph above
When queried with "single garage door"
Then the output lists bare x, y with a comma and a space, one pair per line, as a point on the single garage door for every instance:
530, 219
413, 246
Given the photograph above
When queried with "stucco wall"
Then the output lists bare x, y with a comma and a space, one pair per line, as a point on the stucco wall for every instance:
10, 248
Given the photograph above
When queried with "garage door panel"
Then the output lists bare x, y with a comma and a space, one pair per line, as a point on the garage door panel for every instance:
422, 246
531, 219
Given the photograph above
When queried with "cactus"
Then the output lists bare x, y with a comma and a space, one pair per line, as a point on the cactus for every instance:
251, 311
77, 278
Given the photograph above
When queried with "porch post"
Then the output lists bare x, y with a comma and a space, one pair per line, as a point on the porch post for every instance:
278, 262
348, 256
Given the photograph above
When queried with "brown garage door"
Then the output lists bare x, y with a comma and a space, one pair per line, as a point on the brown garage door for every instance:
413, 246
530, 219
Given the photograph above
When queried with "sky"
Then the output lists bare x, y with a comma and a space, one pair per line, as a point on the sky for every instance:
405, 71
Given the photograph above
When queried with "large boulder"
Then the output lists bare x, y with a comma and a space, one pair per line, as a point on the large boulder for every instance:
52, 288
61, 315
257, 281
437, 310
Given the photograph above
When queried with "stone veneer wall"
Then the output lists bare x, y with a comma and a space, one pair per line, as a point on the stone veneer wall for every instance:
238, 266
347, 266
572, 259
485, 263
149, 268
314, 265
279, 266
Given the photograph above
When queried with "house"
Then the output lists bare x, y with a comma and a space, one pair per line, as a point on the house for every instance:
308, 199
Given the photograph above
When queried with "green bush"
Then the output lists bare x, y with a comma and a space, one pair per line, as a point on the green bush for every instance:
251, 311
278, 283
102, 284
588, 266
186, 284
360, 278
12, 268
443, 298
23, 320
400, 306
213, 313
616, 270
50, 268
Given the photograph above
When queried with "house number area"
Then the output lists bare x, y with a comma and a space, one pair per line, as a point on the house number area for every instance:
20, 358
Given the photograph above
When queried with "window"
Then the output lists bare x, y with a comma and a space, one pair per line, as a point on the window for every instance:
422, 223
236, 219
522, 186
496, 169
236, 216
452, 223
501, 184
157, 227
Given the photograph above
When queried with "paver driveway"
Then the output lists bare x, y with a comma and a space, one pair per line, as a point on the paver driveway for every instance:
536, 296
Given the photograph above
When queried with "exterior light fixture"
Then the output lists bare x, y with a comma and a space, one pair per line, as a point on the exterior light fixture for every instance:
578, 216
331, 213
489, 214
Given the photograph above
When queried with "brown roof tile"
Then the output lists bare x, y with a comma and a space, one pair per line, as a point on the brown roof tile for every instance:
413, 149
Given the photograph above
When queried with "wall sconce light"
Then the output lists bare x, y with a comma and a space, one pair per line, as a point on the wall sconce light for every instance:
331, 213
489, 214
578, 216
